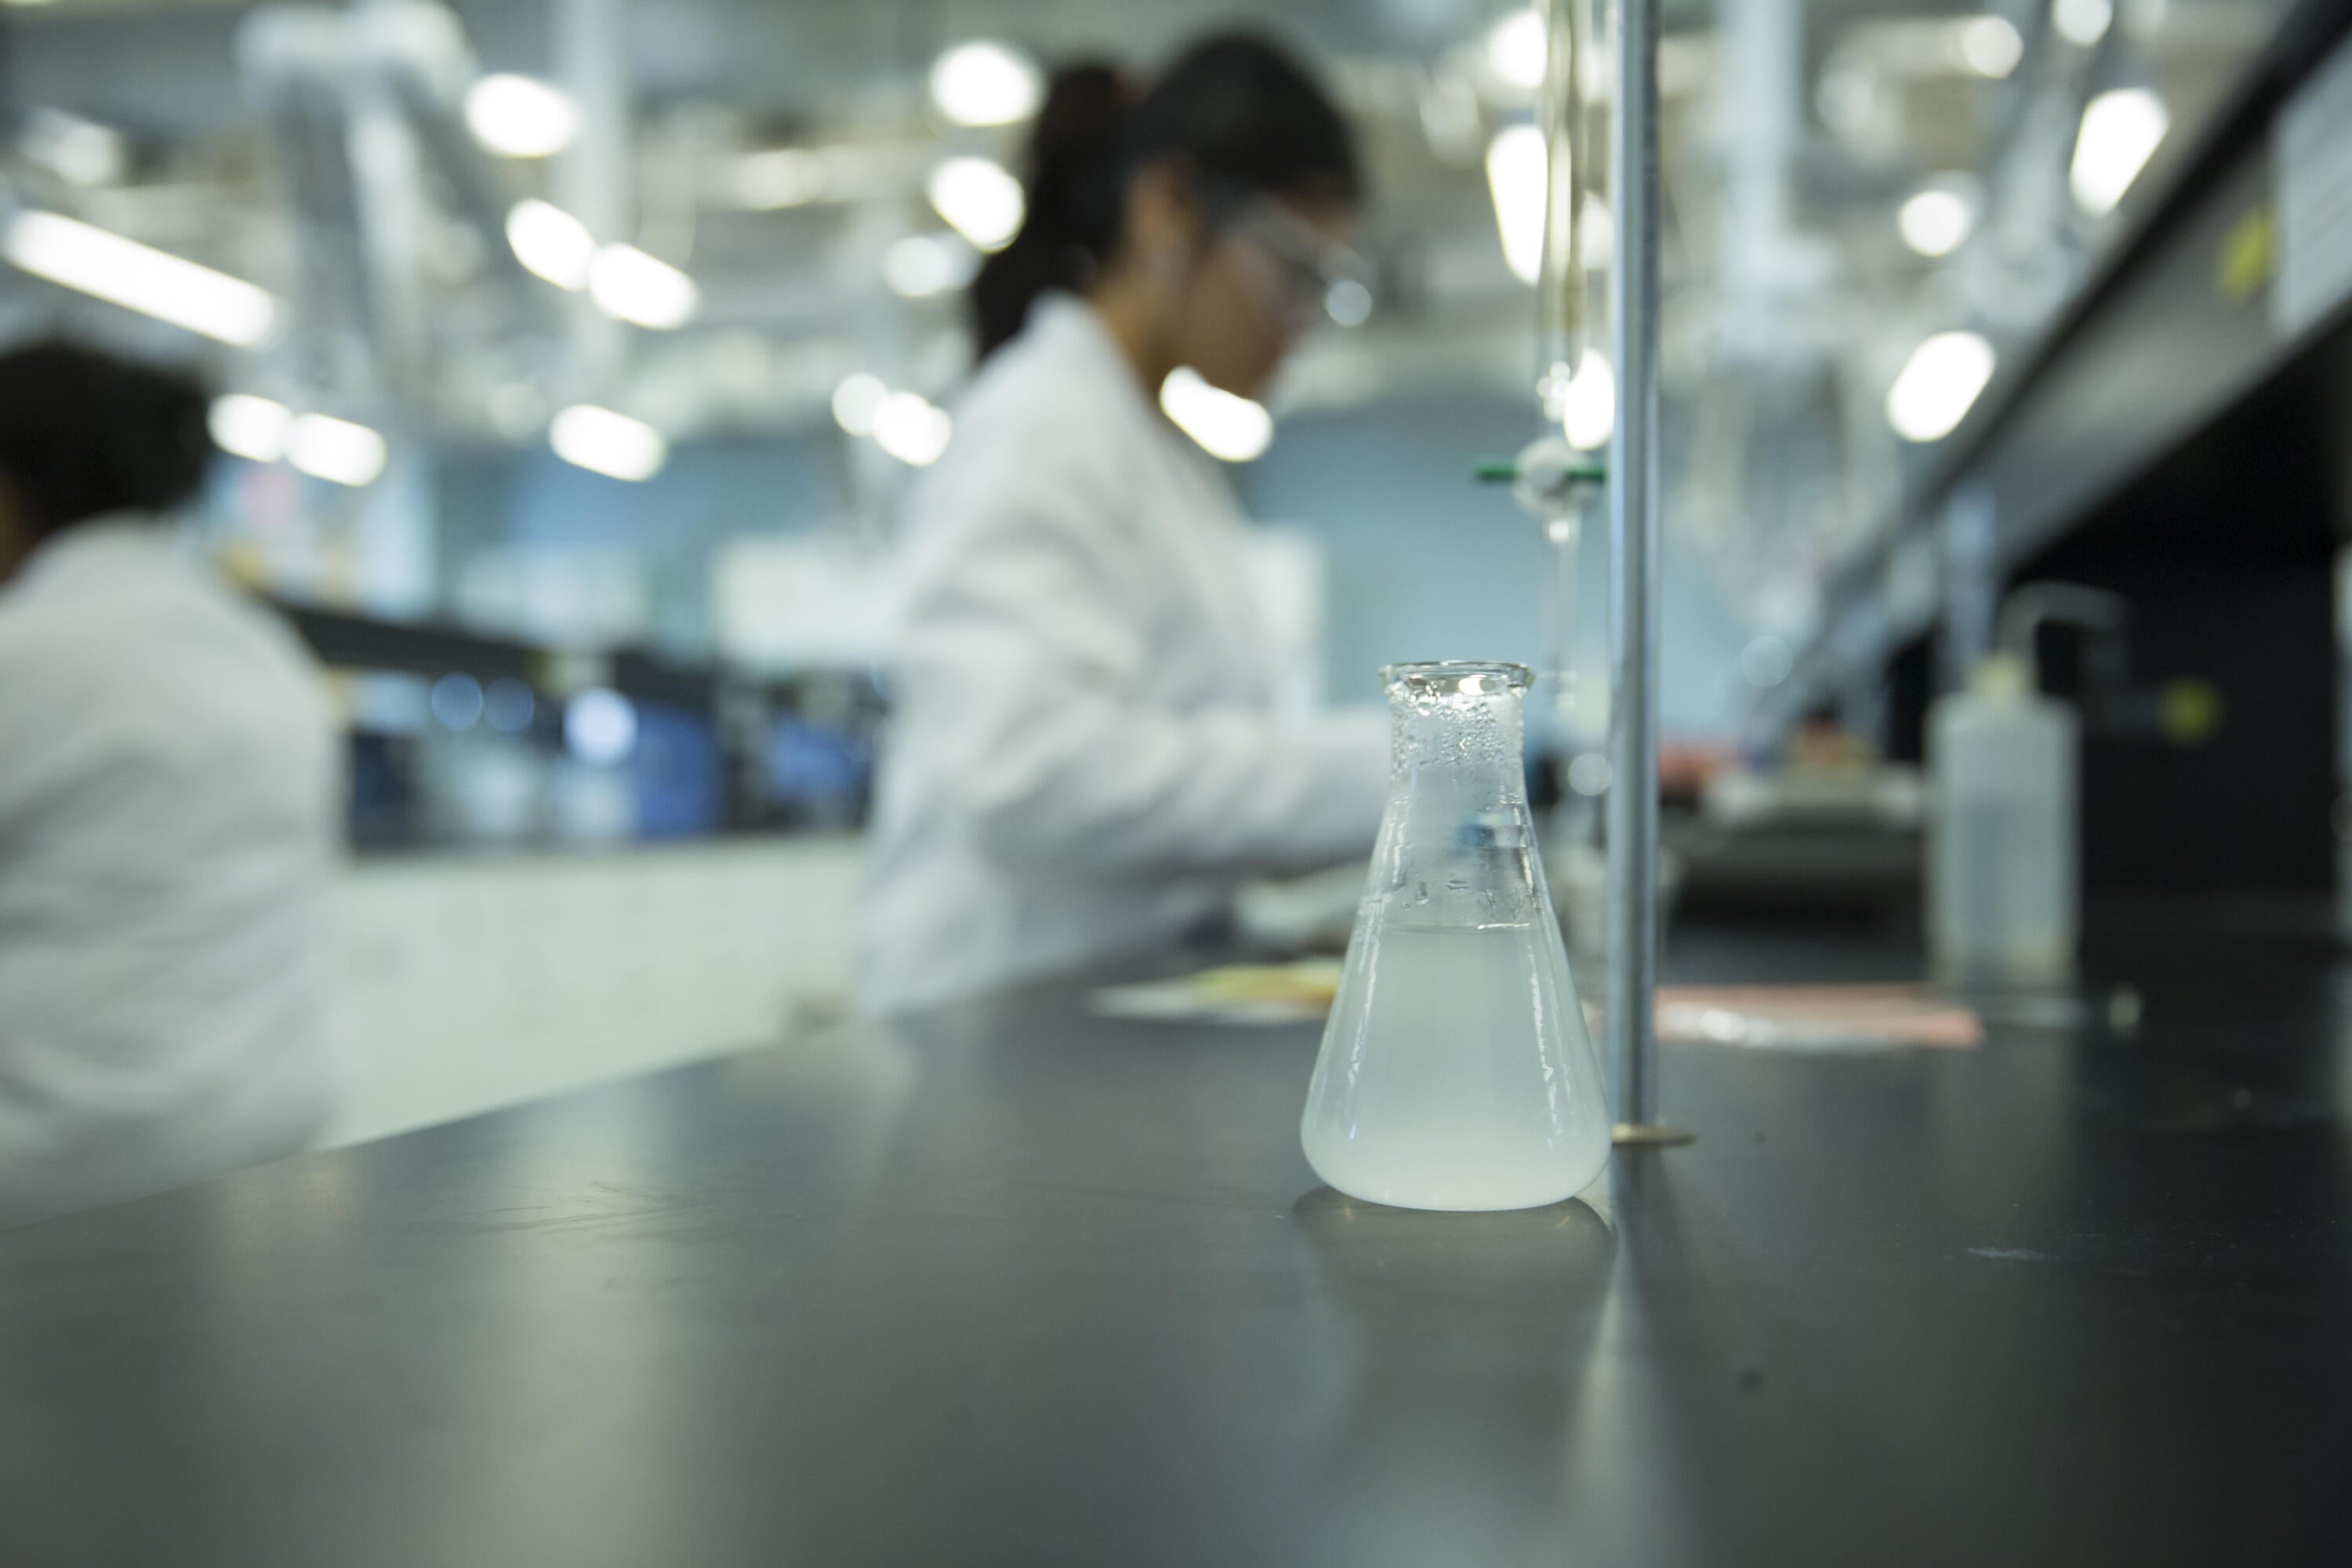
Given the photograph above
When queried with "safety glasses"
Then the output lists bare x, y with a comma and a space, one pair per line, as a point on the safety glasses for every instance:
1312, 275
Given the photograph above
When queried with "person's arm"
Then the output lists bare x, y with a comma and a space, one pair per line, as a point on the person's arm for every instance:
1018, 659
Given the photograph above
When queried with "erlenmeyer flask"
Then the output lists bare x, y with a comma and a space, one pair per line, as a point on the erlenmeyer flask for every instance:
1457, 1072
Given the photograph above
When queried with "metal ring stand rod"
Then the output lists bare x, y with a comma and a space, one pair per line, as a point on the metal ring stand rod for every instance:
1633, 533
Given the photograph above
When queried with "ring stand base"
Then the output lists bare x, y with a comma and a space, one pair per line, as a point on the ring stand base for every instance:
1628, 1134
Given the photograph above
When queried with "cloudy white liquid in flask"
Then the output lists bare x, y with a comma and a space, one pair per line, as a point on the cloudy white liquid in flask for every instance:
1456, 1071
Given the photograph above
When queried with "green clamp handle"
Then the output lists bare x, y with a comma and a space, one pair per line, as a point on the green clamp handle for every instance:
1506, 470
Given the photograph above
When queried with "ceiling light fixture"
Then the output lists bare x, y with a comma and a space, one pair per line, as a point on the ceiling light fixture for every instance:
520, 116
2120, 132
124, 272
855, 399
980, 199
1231, 429
1515, 50
551, 243
2083, 22
1990, 46
907, 427
630, 286
607, 443
986, 83
251, 427
1936, 221
1939, 384
326, 447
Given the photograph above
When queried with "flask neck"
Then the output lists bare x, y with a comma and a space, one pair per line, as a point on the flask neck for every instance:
1457, 847
1473, 745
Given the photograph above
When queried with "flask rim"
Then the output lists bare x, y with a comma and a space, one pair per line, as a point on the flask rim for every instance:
1455, 677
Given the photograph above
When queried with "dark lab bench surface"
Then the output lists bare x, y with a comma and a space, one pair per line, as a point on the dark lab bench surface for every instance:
1014, 1285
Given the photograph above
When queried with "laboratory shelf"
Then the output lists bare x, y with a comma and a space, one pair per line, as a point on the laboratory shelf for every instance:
2173, 333
715, 748
344, 640
1012, 1282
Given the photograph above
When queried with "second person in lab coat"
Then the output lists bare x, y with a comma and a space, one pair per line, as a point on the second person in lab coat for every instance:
169, 813
1085, 754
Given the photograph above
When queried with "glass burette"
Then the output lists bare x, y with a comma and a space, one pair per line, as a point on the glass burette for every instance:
1555, 483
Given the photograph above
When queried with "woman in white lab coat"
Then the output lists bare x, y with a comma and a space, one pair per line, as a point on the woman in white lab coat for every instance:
168, 807
1084, 756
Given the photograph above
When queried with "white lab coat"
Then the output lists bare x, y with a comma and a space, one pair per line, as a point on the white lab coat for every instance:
169, 790
1084, 757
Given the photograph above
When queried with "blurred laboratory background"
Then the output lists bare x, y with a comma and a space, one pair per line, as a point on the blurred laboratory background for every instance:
574, 358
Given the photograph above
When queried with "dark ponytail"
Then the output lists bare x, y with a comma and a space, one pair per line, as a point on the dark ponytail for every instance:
1074, 189
1244, 116
83, 434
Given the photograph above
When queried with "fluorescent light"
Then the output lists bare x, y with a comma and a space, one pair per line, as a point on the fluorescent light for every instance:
1233, 429
139, 278
631, 286
1939, 384
985, 83
854, 401
329, 448
2083, 22
264, 430
1588, 405
519, 116
1936, 221
1515, 172
607, 443
1989, 47
253, 428
1516, 51
910, 429
923, 265
551, 243
980, 199
2120, 132
779, 177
